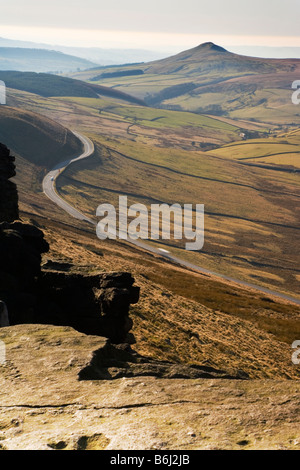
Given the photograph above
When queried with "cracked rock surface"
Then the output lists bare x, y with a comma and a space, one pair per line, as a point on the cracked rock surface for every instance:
48, 403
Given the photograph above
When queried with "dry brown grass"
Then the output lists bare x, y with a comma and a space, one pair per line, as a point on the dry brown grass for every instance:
188, 317
251, 215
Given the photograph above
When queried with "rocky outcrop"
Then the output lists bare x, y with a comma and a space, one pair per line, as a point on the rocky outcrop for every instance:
117, 361
92, 304
8, 191
21, 248
43, 405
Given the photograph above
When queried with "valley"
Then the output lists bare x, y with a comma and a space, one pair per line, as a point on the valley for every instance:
149, 155
245, 173
149, 228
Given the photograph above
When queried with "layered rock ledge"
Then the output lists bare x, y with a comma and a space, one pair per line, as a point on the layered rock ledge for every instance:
93, 304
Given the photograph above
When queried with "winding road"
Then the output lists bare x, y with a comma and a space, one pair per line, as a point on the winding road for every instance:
49, 180
50, 191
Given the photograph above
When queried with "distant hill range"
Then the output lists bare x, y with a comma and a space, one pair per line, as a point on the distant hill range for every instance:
96, 55
211, 80
39, 60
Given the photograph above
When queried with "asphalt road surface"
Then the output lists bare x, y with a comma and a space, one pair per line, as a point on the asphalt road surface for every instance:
49, 180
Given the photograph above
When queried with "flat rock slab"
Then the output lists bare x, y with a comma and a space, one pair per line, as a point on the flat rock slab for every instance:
44, 405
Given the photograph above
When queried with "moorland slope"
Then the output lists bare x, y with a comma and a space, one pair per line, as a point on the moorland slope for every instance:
210, 79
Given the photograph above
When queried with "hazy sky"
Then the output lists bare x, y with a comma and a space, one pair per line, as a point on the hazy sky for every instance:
152, 24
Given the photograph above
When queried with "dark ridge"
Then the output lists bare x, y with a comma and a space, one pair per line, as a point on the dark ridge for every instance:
47, 85
36, 138
111, 92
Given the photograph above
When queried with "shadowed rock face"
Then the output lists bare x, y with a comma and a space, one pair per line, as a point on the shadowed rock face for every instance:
116, 361
3, 315
21, 248
92, 304
8, 191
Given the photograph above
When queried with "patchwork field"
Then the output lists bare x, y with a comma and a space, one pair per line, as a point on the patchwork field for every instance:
281, 151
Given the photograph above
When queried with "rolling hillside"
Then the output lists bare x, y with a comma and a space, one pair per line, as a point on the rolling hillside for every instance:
98, 55
36, 138
52, 85
209, 79
38, 143
279, 152
153, 155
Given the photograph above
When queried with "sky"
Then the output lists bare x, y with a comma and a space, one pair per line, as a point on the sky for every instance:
171, 25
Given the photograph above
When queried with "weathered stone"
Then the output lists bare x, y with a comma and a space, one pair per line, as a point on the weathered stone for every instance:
75, 300
4, 321
8, 191
21, 247
43, 405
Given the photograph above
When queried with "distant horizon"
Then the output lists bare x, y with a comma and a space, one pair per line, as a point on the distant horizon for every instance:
138, 39
243, 49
